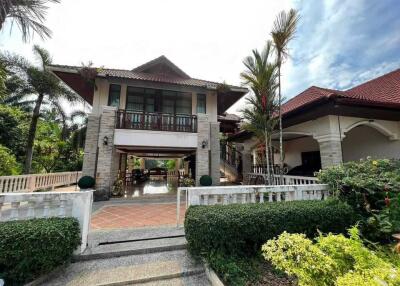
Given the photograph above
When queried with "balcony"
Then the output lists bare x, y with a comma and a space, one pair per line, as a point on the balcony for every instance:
156, 121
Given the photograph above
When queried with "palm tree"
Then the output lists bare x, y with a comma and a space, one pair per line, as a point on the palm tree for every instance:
28, 14
34, 86
283, 31
259, 113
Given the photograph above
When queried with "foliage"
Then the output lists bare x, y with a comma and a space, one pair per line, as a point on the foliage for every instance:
31, 85
205, 180
34, 247
372, 188
235, 270
261, 77
8, 163
29, 16
3, 76
188, 182
242, 228
86, 182
13, 129
331, 260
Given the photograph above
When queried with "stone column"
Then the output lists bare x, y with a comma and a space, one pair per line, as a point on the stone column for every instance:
246, 159
330, 149
92, 137
202, 154
105, 161
215, 153
142, 163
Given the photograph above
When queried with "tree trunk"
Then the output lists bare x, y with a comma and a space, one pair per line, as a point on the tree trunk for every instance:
272, 159
4, 10
267, 157
32, 134
280, 121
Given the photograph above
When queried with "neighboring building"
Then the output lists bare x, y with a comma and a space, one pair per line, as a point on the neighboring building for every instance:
325, 127
153, 111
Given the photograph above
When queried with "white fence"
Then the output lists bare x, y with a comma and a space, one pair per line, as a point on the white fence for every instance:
250, 194
176, 173
19, 206
282, 180
30, 183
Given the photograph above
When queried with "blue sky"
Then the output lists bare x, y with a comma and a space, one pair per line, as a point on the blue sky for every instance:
338, 44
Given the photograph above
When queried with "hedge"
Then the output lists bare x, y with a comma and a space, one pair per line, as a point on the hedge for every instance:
30, 248
242, 229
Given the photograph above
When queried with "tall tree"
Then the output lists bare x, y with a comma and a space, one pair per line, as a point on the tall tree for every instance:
35, 85
259, 113
283, 31
29, 15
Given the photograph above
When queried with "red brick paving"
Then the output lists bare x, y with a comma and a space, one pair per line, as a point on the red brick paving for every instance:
131, 216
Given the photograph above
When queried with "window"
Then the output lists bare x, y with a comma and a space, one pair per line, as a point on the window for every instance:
201, 103
113, 95
184, 103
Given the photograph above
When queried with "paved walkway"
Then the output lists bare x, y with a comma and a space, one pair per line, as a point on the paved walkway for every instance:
135, 215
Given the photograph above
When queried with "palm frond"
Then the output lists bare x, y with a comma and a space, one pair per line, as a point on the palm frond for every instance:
29, 16
283, 30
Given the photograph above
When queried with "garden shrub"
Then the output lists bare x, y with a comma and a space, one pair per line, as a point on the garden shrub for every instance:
372, 188
205, 180
30, 248
331, 260
86, 182
242, 228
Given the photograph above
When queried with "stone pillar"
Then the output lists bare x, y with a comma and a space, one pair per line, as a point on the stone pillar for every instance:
123, 162
92, 137
142, 163
178, 162
330, 149
202, 154
105, 161
215, 153
246, 159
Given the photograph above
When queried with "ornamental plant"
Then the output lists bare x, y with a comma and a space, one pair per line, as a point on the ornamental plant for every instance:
331, 260
372, 188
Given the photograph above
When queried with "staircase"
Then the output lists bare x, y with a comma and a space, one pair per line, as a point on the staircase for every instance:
230, 163
134, 257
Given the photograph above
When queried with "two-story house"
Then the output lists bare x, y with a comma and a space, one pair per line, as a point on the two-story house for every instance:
154, 110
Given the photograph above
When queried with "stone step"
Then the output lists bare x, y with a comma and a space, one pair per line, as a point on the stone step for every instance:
161, 268
135, 247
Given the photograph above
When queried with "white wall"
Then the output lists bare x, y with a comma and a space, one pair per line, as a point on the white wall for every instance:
363, 141
146, 138
293, 149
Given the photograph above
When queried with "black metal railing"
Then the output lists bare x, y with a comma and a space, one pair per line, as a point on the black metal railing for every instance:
156, 121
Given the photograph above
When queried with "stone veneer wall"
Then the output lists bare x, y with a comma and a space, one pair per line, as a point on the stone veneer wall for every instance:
331, 152
92, 137
215, 153
202, 154
105, 161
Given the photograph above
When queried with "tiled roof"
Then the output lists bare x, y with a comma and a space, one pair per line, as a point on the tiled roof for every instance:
381, 91
131, 74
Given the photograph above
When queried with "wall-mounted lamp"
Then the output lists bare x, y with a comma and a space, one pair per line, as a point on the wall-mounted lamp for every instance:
204, 144
105, 140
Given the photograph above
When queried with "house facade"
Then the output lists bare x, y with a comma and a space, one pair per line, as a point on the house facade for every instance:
325, 127
152, 111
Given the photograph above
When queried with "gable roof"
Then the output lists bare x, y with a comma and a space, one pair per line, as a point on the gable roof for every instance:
159, 70
383, 91
161, 61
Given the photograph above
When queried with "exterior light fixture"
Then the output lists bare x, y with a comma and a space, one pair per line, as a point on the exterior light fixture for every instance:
105, 140
204, 144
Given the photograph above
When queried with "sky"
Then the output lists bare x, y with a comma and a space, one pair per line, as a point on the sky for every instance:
338, 44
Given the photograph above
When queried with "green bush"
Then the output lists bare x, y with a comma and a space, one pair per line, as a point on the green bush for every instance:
30, 248
242, 229
86, 182
372, 188
332, 260
205, 180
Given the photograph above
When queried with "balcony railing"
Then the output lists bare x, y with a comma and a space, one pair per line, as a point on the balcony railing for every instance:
156, 121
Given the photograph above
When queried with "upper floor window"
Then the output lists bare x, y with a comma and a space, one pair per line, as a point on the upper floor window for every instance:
201, 103
114, 95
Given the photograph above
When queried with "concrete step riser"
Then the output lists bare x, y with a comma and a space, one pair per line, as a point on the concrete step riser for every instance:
106, 255
157, 278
